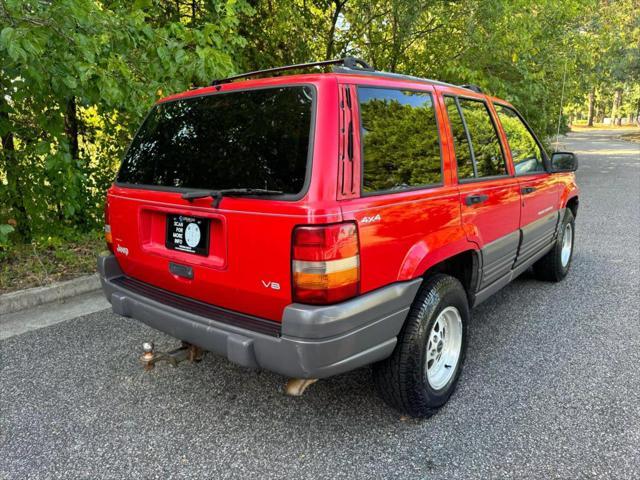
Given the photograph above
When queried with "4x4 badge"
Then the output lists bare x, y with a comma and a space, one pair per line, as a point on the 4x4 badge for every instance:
375, 218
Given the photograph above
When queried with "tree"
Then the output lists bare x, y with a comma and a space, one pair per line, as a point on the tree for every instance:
607, 56
77, 76
72, 67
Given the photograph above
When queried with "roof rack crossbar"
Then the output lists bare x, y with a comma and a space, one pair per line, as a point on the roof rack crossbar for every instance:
472, 87
349, 62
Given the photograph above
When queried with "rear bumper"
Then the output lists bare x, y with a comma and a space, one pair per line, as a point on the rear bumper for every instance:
312, 341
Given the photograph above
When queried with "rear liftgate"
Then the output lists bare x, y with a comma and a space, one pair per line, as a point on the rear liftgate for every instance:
319, 279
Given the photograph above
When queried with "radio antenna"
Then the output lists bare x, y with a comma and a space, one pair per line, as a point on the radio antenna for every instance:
564, 79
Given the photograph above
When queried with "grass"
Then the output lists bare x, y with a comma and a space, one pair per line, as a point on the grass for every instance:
48, 260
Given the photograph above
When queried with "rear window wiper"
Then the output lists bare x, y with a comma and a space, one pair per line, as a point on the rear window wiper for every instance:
229, 192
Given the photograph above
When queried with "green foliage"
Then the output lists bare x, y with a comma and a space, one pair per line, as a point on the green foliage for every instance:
525, 51
521, 142
5, 230
77, 76
460, 141
484, 139
525, 152
401, 145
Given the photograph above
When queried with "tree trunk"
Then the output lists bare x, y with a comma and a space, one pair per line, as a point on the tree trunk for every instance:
592, 99
71, 127
332, 31
619, 107
393, 64
617, 96
14, 184
71, 130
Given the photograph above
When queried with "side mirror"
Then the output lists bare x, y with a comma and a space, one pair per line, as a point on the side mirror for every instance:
564, 162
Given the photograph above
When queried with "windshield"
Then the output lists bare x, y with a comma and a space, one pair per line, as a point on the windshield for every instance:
247, 139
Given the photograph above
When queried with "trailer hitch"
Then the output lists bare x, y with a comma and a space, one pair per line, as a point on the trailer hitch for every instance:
186, 352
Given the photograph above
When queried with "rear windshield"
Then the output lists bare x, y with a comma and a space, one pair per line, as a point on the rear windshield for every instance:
247, 139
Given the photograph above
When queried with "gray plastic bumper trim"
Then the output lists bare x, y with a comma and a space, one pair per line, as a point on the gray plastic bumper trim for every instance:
315, 341
306, 321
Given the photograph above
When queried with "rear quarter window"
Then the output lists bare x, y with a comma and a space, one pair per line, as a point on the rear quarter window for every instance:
400, 141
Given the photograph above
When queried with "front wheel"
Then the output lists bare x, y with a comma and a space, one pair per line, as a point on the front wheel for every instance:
554, 266
422, 372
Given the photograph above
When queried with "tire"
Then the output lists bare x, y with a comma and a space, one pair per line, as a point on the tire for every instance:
404, 380
553, 267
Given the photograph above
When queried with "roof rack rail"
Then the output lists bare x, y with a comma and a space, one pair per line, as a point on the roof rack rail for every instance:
473, 88
398, 76
348, 62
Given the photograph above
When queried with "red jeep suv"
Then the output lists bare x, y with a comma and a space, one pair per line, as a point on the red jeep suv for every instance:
313, 224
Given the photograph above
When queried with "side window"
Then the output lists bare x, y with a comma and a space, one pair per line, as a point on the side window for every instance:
401, 146
525, 151
460, 140
485, 144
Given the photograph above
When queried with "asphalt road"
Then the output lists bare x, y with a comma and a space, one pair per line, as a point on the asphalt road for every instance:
551, 386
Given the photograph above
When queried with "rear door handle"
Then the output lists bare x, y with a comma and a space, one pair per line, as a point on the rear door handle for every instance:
527, 190
475, 199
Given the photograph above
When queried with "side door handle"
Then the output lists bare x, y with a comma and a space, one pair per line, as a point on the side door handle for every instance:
475, 199
527, 190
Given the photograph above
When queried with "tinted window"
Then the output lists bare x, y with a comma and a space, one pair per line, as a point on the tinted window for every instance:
484, 139
525, 151
460, 140
253, 139
399, 133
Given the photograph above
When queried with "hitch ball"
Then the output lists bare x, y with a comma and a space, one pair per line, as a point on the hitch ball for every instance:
147, 355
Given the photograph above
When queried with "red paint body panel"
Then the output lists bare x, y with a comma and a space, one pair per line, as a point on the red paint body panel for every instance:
412, 225
498, 216
249, 245
250, 248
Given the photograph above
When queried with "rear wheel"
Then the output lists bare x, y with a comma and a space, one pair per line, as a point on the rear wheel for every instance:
422, 372
554, 266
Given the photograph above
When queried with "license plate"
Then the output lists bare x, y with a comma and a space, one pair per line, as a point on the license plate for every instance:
188, 234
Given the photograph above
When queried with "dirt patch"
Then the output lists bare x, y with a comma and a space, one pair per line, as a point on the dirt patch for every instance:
625, 128
631, 137
47, 261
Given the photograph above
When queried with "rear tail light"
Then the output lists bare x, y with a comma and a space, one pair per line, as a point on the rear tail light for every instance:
107, 227
326, 263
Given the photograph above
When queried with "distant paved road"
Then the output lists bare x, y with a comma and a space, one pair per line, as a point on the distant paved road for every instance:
551, 386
